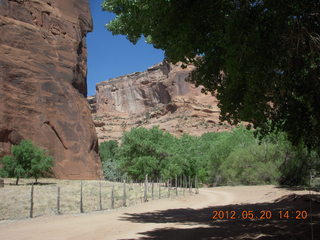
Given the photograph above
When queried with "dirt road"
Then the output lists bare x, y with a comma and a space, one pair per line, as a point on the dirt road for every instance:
183, 218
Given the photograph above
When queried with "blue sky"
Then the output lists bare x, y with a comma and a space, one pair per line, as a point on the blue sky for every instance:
112, 56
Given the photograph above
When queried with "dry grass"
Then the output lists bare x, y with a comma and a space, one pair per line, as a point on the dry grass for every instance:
15, 200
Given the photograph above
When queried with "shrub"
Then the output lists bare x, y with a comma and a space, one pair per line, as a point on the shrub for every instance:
296, 167
251, 166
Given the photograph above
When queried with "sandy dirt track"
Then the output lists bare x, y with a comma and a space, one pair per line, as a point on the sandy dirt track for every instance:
183, 218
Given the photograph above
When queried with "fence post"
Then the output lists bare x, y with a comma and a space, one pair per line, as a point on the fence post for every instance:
184, 184
179, 184
58, 202
31, 202
81, 199
152, 190
159, 185
176, 185
196, 185
112, 197
124, 193
100, 196
146, 189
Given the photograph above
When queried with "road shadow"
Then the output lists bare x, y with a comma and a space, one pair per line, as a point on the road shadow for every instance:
198, 223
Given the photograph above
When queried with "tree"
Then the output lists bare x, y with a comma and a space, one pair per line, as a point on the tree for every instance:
218, 158
27, 160
144, 151
12, 168
261, 58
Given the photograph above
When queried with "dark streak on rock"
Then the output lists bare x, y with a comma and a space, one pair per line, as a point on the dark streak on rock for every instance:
56, 133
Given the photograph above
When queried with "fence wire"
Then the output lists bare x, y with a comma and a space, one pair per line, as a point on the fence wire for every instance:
52, 197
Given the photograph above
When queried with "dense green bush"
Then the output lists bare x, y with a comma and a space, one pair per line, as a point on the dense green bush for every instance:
27, 160
225, 158
251, 165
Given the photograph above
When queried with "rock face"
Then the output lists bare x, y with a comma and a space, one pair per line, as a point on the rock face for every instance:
135, 93
159, 96
43, 83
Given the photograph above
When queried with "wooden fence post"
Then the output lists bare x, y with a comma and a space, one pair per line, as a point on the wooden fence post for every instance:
100, 196
146, 189
176, 185
81, 199
58, 202
184, 184
159, 185
179, 184
196, 185
112, 197
31, 202
124, 203
152, 190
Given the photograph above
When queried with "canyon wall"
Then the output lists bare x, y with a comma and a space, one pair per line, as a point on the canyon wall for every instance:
43, 83
159, 96
137, 92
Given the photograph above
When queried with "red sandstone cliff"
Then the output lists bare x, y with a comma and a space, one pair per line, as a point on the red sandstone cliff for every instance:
158, 96
43, 82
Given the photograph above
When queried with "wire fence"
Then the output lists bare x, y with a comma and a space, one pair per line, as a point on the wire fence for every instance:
55, 197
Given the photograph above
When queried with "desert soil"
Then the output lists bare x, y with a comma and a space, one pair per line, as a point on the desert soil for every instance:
187, 217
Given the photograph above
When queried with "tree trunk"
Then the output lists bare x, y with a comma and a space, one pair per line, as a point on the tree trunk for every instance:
17, 181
